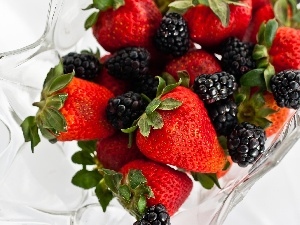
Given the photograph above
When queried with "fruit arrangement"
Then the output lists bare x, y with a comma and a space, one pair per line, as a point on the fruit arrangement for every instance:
186, 90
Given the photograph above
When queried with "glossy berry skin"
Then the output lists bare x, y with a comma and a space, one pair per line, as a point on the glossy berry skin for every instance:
113, 152
146, 85
172, 37
195, 62
128, 63
285, 87
246, 143
180, 141
156, 214
285, 50
206, 28
84, 111
214, 87
132, 24
170, 187
85, 66
122, 110
237, 57
223, 114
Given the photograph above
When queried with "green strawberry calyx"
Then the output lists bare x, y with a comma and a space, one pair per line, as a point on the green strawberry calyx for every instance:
262, 75
151, 117
219, 7
48, 119
286, 13
131, 190
101, 6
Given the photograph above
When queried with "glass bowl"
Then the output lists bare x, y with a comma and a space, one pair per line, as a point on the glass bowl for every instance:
36, 188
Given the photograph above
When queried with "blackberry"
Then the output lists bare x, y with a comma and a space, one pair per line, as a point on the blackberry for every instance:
223, 114
129, 63
86, 66
155, 215
122, 110
246, 143
214, 87
286, 88
237, 57
146, 85
172, 36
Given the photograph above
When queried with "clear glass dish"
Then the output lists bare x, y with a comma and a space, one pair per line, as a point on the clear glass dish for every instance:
36, 188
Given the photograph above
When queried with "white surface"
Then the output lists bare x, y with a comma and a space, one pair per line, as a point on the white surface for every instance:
273, 200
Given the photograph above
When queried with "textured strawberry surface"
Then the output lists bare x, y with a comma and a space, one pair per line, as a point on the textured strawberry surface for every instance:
285, 50
84, 111
133, 24
187, 139
207, 30
195, 62
170, 187
113, 152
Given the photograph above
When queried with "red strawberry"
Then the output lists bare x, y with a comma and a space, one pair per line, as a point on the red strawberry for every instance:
113, 152
195, 62
261, 15
70, 109
208, 30
183, 137
132, 24
169, 186
256, 4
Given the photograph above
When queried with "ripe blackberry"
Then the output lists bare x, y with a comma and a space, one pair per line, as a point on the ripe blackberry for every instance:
214, 87
172, 36
146, 85
129, 63
246, 143
286, 88
122, 110
223, 114
237, 57
86, 66
155, 215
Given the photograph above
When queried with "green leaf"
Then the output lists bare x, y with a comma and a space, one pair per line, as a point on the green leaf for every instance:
47, 134
185, 77
169, 79
83, 158
91, 20
169, 104
258, 100
59, 82
261, 34
155, 120
253, 78
129, 130
142, 204
265, 112
144, 126
268, 74
280, 8
136, 178
161, 86
239, 98
221, 10
53, 119
223, 142
57, 101
90, 6
182, 5
86, 179
171, 87
30, 131
207, 180
103, 5
88, 146
118, 3
53, 72
103, 194
262, 122
153, 105
227, 165
124, 192
259, 52
112, 179
270, 31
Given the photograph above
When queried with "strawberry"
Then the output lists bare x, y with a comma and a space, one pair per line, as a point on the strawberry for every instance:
113, 152
195, 62
278, 118
70, 109
170, 187
120, 24
210, 30
180, 123
256, 4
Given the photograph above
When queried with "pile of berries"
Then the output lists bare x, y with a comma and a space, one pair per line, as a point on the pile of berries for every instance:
172, 85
